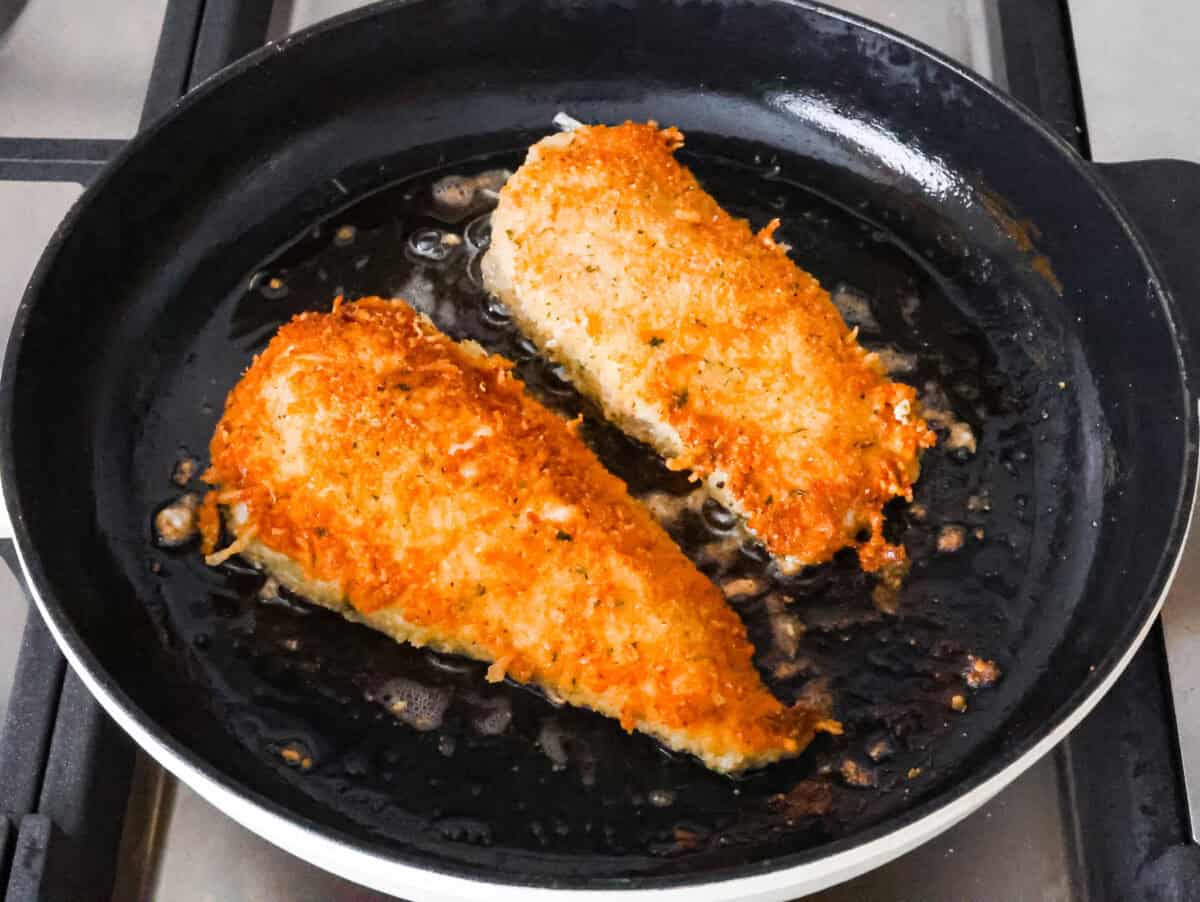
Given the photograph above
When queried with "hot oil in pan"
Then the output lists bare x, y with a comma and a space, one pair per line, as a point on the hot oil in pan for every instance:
394, 736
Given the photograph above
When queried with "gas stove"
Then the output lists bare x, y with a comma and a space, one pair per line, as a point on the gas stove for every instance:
1106, 815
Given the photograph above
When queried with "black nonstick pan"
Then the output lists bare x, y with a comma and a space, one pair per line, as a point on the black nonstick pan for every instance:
986, 260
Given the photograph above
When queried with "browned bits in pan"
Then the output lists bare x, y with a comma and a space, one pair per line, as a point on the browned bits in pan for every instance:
854, 774
175, 523
980, 673
951, 538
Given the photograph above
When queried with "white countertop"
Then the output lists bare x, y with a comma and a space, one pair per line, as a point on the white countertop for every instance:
1140, 77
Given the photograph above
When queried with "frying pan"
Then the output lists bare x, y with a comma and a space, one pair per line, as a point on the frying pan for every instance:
984, 253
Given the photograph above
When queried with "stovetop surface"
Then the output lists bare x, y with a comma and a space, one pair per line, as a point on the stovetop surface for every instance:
79, 71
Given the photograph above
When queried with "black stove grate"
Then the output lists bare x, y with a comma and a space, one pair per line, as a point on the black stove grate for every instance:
65, 766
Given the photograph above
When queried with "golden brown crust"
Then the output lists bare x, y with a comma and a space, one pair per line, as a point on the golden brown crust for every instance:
208, 521
414, 477
703, 338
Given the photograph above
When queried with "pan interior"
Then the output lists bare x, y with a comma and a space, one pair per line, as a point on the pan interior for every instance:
218, 246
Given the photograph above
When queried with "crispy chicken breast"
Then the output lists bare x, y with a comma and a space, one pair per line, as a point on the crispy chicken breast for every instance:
702, 339
382, 470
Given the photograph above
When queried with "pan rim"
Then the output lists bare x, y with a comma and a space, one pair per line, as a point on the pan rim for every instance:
388, 873
809, 870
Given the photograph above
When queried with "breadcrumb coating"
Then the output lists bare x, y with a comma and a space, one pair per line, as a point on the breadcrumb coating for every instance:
382, 470
703, 339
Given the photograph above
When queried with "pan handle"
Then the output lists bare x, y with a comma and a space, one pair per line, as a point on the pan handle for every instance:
1163, 198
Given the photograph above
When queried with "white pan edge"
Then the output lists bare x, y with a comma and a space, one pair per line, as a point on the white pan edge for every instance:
422, 885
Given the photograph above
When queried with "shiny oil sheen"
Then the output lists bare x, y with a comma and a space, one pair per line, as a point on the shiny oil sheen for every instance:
397, 736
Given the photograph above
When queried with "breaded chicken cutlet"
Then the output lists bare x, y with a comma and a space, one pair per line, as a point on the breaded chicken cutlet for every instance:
380, 469
702, 339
